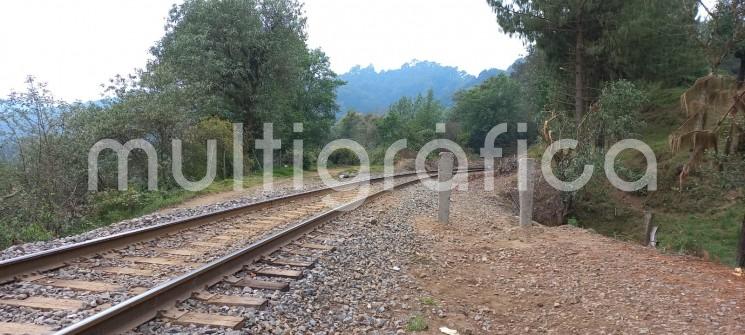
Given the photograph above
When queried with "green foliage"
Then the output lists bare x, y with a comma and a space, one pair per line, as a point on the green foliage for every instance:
722, 33
618, 117
411, 119
428, 301
246, 61
219, 62
344, 157
483, 107
195, 148
649, 41
358, 127
417, 323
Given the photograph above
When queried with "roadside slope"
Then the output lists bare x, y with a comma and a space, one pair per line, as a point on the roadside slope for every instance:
482, 274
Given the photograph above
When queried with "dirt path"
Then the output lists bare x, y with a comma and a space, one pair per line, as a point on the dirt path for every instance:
483, 275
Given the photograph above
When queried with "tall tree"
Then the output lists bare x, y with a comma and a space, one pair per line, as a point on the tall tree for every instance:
479, 109
567, 30
723, 32
245, 60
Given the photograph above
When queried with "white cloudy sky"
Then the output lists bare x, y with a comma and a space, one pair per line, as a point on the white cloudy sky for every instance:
76, 45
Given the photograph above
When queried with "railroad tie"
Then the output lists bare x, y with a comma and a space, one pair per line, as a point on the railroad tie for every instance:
281, 273
204, 319
229, 300
326, 239
127, 271
334, 233
224, 238
157, 261
207, 244
80, 285
46, 304
14, 328
289, 262
180, 252
263, 284
317, 246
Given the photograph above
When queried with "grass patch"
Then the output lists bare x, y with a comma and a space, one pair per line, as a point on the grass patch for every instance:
703, 220
710, 235
428, 301
416, 323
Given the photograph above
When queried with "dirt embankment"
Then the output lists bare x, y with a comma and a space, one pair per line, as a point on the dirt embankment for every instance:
481, 274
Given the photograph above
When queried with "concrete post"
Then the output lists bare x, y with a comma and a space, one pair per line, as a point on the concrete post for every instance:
525, 186
445, 181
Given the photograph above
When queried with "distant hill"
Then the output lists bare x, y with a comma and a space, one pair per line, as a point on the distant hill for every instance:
370, 91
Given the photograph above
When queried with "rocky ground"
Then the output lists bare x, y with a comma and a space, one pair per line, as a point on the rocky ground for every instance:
481, 274
401, 272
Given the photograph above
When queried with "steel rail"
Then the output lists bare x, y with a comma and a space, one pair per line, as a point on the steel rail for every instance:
11, 269
144, 307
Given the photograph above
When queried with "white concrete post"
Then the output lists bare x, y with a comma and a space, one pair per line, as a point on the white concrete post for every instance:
444, 185
525, 186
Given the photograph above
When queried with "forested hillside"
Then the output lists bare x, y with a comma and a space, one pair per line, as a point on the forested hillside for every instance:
596, 71
603, 71
367, 90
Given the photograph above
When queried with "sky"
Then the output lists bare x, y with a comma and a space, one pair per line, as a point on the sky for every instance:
77, 45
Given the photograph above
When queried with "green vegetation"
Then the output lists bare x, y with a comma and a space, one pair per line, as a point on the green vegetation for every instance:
218, 63
428, 301
597, 71
601, 71
417, 323
113, 206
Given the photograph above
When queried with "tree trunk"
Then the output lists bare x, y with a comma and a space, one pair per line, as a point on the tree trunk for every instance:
741, 72
579, 76
741, 247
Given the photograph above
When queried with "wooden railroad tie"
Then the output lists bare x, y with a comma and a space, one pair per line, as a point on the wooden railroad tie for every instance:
157, 261
81, 285
229, 300
317, 246
14, 328
204, 319
281, 273
180, 252
127, 271
46, 304
289, 262
262, 284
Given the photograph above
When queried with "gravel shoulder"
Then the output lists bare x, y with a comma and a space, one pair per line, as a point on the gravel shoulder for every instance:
490, 277
483, 275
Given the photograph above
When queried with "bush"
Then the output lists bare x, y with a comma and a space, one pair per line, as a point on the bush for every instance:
344, 157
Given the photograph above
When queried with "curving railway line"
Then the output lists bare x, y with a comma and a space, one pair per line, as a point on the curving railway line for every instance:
115, 283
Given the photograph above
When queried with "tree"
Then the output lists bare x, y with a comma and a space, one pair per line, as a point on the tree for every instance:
483, 107
567, 30
605, 40
44, 167
244, 60
722, 33
650, 43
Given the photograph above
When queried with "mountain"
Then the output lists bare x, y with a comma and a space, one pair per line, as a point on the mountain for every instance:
370, 91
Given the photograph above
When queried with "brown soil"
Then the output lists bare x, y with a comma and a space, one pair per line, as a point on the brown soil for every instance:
488, 276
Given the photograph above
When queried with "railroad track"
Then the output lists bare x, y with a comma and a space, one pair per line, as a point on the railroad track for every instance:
115, 283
